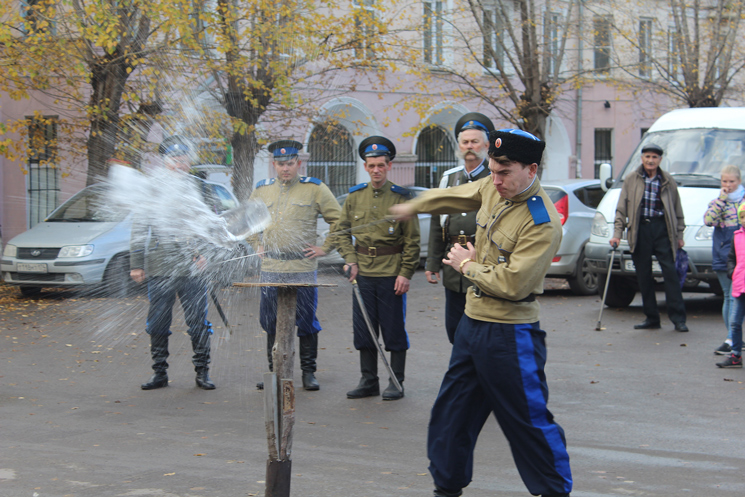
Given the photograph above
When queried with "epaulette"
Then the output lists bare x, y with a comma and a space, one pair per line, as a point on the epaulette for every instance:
359, 187
401, 191
310, 179
538, 210
265, 182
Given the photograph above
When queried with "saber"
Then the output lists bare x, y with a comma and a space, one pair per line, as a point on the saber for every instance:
358, 294
220, 311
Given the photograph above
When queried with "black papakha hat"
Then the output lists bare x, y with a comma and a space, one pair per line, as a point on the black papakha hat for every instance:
652, 147
517, 145
174, 146
473, 120
376, 146
284, 150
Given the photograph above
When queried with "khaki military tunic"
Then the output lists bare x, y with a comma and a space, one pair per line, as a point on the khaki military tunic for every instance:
446, 226
366, 205
515, 242
294, 208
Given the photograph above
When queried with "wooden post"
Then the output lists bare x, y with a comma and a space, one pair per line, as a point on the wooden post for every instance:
279, 391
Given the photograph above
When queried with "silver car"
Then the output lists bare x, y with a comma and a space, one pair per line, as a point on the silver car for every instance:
78, 245
576, 200
334, 258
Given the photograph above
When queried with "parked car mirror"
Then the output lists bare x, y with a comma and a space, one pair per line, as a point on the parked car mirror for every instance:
606, 178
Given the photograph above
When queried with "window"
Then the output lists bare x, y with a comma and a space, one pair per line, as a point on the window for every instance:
553, 43
601, 29
43, 176
435, 155
673, 55
332, 157
645, 48
603, 148
433, 32
364, 25
493, 32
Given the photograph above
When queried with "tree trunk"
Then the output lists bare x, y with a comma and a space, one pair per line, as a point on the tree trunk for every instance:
107, 82
245, 148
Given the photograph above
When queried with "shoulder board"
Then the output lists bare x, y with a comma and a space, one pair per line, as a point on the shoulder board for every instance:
265, 182
310, 179
355, 188
538, 210
401, 191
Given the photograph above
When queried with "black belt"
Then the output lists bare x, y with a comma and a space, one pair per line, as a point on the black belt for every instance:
285, 256
376, 251
649, 220
478, 293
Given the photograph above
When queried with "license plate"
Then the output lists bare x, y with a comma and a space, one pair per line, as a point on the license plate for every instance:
629, 266
32, 268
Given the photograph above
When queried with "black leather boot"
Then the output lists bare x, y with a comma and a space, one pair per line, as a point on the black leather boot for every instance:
158, 380
201, 360
441, 492
368, 386
398, 365
159, 353
308, 355
203, 379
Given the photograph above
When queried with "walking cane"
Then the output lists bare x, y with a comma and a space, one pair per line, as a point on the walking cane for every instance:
374, 337
599, 327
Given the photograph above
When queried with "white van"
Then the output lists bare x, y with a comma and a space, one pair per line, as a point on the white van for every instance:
697, 143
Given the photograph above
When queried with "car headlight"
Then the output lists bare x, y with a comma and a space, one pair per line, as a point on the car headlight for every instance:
600, 226
705, 233
10, 251
76, 251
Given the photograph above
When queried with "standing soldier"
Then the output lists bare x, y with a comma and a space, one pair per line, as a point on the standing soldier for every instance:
472, 132
294, 203
169, 263
382, 260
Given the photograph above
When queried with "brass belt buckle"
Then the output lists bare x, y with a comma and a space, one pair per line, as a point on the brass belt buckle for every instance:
463, 240
476, 292
372, 251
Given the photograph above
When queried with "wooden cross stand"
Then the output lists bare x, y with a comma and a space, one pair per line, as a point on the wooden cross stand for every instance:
279, 391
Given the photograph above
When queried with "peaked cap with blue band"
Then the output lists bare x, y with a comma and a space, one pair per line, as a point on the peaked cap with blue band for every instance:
174, 146
284, 150
377, 146
473, 120
517, 145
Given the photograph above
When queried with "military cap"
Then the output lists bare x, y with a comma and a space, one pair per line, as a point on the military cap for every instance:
174, 146
284, 150
516, 145
473, 120
376, 146
652, 147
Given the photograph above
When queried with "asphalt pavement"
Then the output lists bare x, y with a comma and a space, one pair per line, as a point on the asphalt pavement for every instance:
646, 413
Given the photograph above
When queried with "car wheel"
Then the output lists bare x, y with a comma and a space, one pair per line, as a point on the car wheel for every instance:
30, 291
621, 291
585, 282
116, 280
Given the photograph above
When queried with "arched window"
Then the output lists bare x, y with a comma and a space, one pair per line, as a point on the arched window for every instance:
332, 157
435, 155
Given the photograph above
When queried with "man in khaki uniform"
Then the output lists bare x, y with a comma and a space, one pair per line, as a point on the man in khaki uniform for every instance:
294, 203
382, 260
499, 354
